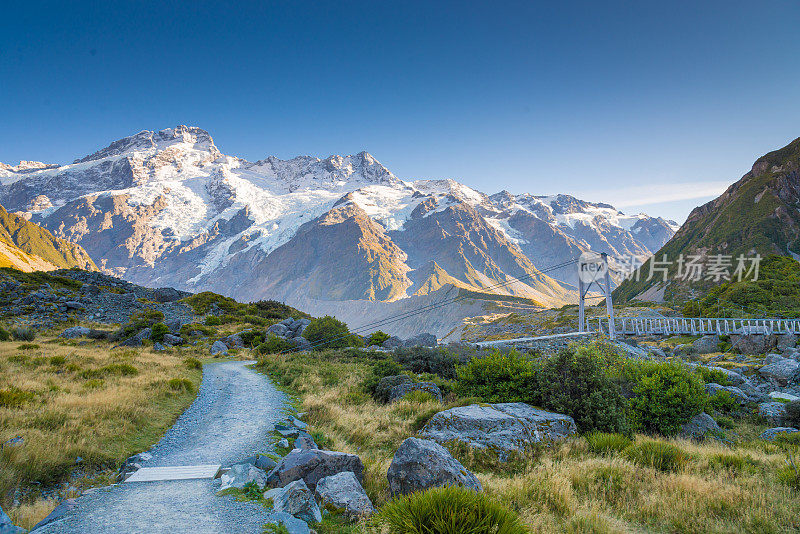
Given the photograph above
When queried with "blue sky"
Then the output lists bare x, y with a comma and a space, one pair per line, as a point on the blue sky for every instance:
651, 106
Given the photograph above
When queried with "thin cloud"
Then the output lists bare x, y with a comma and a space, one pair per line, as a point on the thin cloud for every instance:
645, 195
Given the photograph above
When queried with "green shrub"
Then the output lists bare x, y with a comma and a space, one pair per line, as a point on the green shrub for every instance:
725, 422
23, 333
712, 375
328, 333
159, 331
28, 346
13, 397
187, 329
659, 455
421, 360
381, 369
274, 345
180, 384
576, 382
448, 510
252, 338
212, 320
497, 377
58, 360
792, 416
377, 338
606, 442
723, 401
665, 396
192, 363
4, 334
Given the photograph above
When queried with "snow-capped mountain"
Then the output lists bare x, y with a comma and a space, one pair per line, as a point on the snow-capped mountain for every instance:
168, 208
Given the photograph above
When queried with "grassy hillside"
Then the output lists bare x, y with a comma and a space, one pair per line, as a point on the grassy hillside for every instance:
757, 214
25, 244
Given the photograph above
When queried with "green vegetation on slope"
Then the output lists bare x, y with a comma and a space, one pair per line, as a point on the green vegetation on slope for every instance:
37, 241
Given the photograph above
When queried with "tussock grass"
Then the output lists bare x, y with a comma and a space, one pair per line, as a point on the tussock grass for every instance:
92, 402
603, 483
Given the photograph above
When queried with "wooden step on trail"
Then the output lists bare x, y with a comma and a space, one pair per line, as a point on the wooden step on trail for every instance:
182, 472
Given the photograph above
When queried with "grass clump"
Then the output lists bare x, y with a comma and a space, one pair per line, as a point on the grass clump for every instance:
13, 397
192, 363
660, 455
607, 442
23, 333
448, 510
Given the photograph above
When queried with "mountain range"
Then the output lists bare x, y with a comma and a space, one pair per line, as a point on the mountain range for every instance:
342, 233
758, 214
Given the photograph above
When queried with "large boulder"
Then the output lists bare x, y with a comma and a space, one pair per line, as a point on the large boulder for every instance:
168, 294
699, 426
137, 339
296, 499
504, 427
420, 464
170, 339
404, 388
779, 371
771, 433
304, 441
384, 388
290, 522
218, 347
753, 343
421, 340
74, 332
706, 344
262, 461
242, 474
233, 341
342, 491
280, 330
773, 412
7, 527
311, 465
786, 341
392, 343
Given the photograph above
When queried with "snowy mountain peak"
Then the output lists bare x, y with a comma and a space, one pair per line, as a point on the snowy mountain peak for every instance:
189, 136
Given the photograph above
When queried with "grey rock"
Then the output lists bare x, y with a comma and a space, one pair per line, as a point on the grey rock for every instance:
233, 341
780, 371
278, 329
311, 465
168, 294
420, 464
74, 332
404, 388
287, 431
772, 358
783, 396
786, 341
218, 347
342, 491
242, 474
502, 427
392, 343
706, 344
421, 340
6, 527
699, 426
773, 412
73, 305
387, 383
282, 443
753, 343
296, 499
137, 339
292, 524
305, 441
301, 344
174, 325
297, 422
263, 462
158, 347
771, 433
170, 339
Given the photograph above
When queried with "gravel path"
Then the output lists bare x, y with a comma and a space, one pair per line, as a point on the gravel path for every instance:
234, 411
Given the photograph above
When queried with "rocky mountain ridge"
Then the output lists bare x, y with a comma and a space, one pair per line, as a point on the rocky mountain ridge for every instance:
168, 208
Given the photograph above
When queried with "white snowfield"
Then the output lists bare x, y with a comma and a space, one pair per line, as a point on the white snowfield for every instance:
201, 186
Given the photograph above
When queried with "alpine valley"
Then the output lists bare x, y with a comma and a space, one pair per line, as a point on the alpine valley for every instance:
340, 235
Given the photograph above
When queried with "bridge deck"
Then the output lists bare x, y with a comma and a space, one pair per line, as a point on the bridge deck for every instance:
696, 326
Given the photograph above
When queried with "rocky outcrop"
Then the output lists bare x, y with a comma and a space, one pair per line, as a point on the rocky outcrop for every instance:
771, 433
344, 492
404, 388
779, 370
296, 499
700, 425
420, 464
239, 475
501, 427
773, 412
311, 465
706, 344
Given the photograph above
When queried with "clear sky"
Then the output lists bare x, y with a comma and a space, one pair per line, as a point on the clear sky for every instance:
651, 106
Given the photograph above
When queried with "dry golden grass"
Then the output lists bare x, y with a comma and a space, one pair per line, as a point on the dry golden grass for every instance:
91, 401
565, 488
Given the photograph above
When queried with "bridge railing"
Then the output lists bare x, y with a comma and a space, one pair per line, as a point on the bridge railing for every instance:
696, 325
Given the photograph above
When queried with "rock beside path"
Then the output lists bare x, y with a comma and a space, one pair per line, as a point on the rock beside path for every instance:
312, 465
343, 491
502, 427
296, 499
242, 474
420, 464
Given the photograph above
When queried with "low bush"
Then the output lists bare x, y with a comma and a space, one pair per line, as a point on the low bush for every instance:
712, 375
665, 396
23, 333
448, 510
792, 416
328, 333
381, 370
421, 360
723, 402
13, 397
660, 455
180, 384
497, 377
274, 345
192, 363
377, 338
4, 334
212, 320
606, 442
252, 338
159, 331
